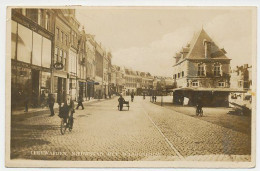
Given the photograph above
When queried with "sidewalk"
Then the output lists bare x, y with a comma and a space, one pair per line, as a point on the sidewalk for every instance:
56, 106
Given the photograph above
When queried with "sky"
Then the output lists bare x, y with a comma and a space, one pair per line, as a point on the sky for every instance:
146, 39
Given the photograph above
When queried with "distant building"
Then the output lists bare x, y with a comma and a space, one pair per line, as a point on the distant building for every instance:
201, 70
90, 65
241, 77
130, 81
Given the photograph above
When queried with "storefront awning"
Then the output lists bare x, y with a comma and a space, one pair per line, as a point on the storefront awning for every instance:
219, 89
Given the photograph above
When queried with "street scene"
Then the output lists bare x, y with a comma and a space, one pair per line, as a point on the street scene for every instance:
124, 84
145, 132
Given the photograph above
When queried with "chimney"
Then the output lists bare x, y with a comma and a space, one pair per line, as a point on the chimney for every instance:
207, 47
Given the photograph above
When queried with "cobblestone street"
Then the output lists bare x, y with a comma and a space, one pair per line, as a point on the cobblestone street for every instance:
145, 132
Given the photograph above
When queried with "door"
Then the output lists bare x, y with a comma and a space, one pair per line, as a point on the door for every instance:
35, 87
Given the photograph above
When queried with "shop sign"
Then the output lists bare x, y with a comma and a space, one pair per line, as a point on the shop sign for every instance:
58, 65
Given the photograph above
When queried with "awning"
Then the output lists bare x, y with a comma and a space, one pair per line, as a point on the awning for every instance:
219, 89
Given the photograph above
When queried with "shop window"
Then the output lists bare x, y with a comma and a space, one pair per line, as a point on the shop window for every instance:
13, 38
24, 48
46, 80
46, 53
37, 49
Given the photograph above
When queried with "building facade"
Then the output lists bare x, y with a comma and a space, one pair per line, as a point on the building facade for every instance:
32, 37
90, 65
201, 71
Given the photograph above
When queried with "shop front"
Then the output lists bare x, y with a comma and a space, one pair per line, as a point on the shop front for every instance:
82, 89
90, 89
73, 88
28, 84
31, 53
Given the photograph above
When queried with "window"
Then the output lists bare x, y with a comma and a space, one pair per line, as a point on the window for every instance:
64, 61
56, 54
195, 84
217, 70
39, 17
24, 47
61, 56
72, 38
57, 33
66, 39
61, 36
47, 21
46, 52
182, 73
175, 76
221, 84
37, 49
24, 11
201, 70
179, 75
75, 39
240, 83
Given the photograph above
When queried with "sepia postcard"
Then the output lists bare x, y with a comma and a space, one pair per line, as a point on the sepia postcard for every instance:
131, 87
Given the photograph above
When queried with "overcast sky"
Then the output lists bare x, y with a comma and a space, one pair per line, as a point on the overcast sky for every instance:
147, 39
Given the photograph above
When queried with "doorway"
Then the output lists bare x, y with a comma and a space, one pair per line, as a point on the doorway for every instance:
35, 87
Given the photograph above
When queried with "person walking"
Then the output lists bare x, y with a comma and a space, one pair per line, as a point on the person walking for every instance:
51, 102
155, 98
132, 96
80, 100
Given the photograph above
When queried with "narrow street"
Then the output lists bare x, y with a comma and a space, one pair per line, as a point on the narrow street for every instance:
146, 132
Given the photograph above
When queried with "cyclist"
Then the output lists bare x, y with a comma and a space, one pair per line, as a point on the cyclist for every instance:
66, 111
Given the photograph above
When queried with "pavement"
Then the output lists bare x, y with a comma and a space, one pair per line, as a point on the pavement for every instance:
146, 132
46, 108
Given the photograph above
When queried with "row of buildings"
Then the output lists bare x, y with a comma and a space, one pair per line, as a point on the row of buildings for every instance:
52, 53
201, 72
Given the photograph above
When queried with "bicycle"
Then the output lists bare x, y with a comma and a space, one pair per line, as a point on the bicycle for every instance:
64, 124
199, 112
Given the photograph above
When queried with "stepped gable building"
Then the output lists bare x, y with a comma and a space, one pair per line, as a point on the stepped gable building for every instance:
201, 70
